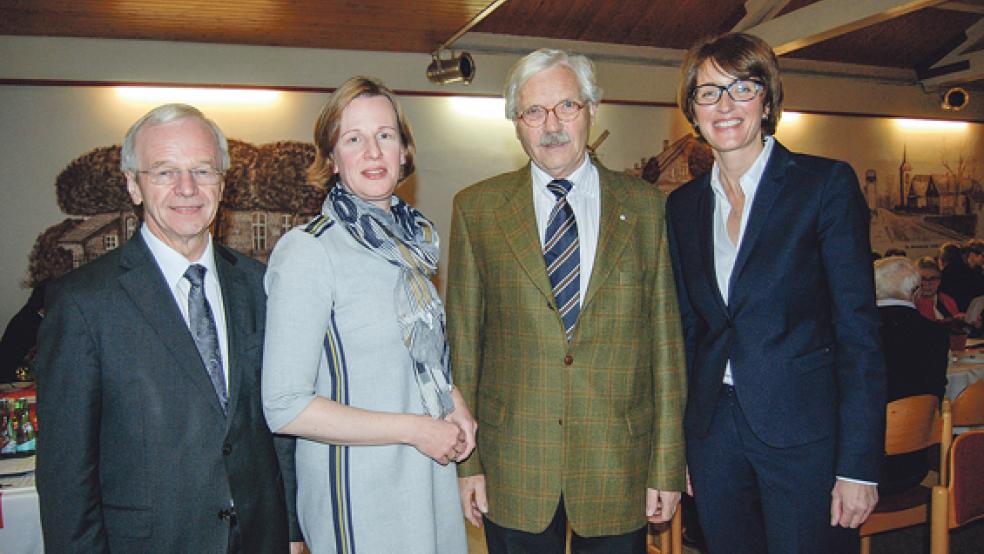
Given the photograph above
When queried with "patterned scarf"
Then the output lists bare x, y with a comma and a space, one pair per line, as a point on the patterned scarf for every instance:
406, 239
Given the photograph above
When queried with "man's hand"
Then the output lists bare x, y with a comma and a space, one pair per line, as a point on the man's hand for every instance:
297, 547
852, 503
661, 505
462, 417
473, 500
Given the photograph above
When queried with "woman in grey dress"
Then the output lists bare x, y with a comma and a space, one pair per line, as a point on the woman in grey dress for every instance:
355, 358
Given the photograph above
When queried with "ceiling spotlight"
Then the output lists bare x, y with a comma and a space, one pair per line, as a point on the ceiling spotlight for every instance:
954, 99
456, 69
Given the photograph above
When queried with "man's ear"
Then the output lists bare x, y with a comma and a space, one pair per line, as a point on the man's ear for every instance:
133, 188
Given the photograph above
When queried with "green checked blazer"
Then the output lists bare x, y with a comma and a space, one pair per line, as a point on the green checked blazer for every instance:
597, 420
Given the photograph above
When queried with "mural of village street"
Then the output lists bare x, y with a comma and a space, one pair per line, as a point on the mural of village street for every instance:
911, 210
267, 194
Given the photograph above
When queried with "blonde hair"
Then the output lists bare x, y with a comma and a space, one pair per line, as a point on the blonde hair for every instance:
326, 129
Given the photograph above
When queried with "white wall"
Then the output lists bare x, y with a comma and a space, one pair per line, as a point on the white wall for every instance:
43, 128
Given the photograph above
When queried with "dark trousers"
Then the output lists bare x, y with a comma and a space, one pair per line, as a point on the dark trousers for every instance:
501, 540
753, 498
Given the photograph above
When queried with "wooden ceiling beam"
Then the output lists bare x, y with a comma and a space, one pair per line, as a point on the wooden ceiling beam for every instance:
968, 7
827, 19
759, 11
959, 66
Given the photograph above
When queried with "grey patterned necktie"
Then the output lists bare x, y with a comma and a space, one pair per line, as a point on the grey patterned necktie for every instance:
206, 335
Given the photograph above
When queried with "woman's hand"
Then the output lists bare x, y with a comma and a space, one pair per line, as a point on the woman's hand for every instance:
438, 439
462, 417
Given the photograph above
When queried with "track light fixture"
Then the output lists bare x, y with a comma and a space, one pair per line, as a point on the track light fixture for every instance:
456, 69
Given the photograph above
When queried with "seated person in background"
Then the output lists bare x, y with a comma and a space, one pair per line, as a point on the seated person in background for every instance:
957, 279
930, 301
974, 255
915, 359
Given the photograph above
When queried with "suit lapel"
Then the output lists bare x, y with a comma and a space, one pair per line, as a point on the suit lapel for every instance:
517, 220
615, 229
144, 284
240, 324
768, 191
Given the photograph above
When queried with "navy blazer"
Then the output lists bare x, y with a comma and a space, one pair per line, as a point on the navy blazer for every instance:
800, 325
134, 452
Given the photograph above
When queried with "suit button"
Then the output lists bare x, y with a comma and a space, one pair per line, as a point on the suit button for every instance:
226, 449
568, 359
560, 422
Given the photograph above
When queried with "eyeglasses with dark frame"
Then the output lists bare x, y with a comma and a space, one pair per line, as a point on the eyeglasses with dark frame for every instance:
166, 176
740, 90
565, 110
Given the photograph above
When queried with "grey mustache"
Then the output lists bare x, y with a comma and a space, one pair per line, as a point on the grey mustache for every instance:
554, 139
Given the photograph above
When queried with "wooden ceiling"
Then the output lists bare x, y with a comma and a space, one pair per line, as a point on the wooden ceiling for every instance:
940, 41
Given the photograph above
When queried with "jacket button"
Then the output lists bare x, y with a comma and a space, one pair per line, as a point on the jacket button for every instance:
560, 422
568, 359
226, 449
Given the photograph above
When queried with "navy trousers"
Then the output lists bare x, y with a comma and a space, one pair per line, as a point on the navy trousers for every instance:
753, 498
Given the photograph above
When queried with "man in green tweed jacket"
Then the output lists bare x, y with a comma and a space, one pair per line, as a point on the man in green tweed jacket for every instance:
576, 372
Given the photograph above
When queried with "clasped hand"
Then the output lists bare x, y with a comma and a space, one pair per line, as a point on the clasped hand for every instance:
452, 438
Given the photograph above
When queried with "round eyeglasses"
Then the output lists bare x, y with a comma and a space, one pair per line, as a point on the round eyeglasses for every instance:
740, 90
565, 110
167, 176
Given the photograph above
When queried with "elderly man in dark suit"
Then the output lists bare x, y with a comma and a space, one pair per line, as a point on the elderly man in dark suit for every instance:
916, 351
565, 333
152, 437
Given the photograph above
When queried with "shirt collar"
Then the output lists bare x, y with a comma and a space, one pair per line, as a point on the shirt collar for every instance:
895, 302
173, 264
750, 180
541, 178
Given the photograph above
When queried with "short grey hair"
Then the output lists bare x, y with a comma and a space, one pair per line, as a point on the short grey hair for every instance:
166, 114
545, 58
895, 277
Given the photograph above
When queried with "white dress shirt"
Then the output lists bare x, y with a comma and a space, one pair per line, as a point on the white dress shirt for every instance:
173, 266
726, 253
585, 199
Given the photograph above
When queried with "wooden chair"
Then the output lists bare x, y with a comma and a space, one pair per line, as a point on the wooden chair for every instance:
968, 406
961, 500
669, 535
911, 424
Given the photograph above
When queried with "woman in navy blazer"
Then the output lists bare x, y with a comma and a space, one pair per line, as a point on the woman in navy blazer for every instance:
785, 414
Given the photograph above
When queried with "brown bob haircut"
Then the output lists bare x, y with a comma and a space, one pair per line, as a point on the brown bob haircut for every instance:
739, 54
326, 129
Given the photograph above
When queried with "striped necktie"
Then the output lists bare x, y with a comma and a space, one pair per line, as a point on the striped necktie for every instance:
562, 256
204, 331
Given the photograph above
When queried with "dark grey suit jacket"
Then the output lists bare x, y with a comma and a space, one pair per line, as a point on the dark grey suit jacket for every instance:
134, 453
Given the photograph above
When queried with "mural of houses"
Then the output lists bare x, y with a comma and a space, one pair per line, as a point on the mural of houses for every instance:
254, 233
932, 208
679, 162
98, 234
266, 195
